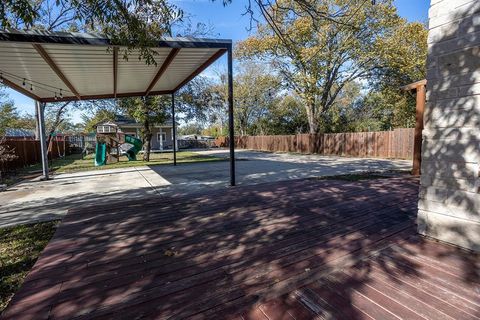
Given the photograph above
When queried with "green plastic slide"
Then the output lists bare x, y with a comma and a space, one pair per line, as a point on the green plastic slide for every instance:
137, 146
100, 154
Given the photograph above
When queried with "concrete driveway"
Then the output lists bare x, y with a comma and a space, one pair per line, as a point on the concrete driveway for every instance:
34, 200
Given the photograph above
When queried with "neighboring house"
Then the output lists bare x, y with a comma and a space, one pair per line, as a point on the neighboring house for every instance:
161, 133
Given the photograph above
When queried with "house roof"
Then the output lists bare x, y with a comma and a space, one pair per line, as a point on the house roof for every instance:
124, 121
65, 66
19, 132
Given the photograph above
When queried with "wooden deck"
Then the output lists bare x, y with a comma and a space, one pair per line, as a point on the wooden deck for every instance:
304, 249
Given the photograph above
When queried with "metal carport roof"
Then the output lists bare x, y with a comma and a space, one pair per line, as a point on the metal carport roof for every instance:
61, 66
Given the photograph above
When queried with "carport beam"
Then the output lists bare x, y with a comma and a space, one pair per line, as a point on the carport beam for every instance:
43, 142
174, 131
230, 116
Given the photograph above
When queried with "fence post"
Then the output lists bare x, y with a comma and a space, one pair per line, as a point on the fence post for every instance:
417, 146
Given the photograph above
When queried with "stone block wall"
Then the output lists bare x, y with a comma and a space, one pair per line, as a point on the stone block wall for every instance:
449, 205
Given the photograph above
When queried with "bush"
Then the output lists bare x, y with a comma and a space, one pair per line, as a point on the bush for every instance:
6, 154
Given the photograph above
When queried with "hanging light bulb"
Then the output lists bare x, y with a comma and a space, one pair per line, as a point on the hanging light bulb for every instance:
24, 84
56, 98
61, 94
31, 87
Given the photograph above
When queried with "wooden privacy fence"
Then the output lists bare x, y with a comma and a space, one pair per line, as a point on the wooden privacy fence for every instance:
28, 152
383, 144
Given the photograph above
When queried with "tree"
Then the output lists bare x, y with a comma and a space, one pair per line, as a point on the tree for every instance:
55, 117
309, 8
318, 58
343, 112
8, 117
130, 23
285, 116
100, 115
194, 101
149, 111
262, 106
255, 92
204, 101
403, 57
11, 118
190, 128
214, 131
7, 154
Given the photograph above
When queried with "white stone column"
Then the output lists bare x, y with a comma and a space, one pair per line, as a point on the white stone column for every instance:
449, 205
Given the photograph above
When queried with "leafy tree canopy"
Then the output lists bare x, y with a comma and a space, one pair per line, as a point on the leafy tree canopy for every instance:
318, 58
190, 128
10, 117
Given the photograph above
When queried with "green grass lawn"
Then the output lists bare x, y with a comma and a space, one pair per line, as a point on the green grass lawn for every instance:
75, 162
20, 247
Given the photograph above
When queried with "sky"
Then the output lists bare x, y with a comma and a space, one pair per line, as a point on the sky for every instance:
228, 22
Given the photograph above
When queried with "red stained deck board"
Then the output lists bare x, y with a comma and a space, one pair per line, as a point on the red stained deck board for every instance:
407, 279
328, 301
265, 276
281, 244
411, 295
329, 212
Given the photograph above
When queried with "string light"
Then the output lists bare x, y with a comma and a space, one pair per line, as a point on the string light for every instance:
25, 82
56, 98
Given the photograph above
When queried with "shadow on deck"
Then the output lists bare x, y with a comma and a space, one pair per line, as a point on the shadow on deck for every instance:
286, 250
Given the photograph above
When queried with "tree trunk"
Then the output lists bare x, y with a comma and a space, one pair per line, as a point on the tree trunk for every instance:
56, 122
310, 108
147, 140
312, 119
147, 146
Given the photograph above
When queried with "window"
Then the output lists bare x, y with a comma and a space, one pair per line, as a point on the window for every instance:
162, 136
106, 129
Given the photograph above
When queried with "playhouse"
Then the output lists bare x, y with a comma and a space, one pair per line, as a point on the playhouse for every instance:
113, 143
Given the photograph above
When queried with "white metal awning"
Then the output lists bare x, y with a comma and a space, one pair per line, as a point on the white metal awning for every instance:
58, 66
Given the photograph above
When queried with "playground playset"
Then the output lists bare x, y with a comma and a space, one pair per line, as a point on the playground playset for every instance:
112, 143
